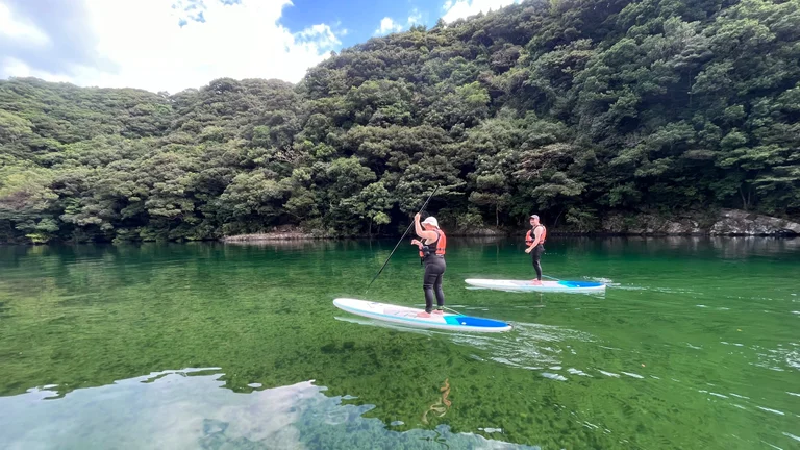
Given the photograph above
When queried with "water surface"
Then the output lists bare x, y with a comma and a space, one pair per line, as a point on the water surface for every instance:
694, 345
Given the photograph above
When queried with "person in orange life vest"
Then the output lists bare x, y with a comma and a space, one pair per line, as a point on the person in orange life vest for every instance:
534, 239
431, 250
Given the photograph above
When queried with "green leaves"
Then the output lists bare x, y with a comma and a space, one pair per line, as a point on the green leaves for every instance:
572, 108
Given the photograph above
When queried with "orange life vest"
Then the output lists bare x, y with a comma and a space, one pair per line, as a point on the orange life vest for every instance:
441, 245
529, 235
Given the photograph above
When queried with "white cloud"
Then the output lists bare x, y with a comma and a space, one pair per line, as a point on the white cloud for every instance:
15, 67
20, 30
388, 26
414, 17
148, 49
461, 9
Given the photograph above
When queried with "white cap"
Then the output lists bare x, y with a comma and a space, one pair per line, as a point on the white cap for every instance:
432, 221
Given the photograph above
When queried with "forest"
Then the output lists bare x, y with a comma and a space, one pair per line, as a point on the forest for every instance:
571, 109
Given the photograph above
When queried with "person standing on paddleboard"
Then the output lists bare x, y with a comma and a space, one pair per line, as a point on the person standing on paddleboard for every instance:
431, 250
534, 239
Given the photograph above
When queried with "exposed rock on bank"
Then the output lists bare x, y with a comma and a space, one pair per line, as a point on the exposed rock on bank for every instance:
284, 233
730, 222
736, 221
620, 223
269, 236
485, 231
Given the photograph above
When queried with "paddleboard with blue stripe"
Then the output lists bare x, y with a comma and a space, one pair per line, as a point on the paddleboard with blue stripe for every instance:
546, 286
404, 315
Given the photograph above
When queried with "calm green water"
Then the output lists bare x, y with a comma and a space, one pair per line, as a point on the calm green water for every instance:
695, 345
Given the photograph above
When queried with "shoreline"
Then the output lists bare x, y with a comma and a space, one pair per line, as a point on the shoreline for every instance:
267, 237
256, 238
726, 223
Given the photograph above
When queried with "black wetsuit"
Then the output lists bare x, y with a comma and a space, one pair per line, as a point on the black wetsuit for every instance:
536, 256
435, 266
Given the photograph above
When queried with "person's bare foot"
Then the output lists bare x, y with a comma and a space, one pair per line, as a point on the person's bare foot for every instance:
535, 281
438, 312
424, 315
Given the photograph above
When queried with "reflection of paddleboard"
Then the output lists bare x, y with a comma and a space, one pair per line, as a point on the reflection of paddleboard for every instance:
408, 316
546, 286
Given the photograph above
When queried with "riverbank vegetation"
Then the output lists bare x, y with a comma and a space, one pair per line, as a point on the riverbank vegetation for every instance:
574, 109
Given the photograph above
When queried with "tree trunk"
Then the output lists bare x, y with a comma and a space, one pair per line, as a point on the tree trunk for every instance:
559, 215
745, 201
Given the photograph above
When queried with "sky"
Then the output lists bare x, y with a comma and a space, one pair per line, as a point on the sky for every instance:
172, 45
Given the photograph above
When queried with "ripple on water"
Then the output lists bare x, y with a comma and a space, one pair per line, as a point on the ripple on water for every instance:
774, 411
554, 376
773, 359
796, 438
525, 349
632, 375
630, 288
609, 374
793, 359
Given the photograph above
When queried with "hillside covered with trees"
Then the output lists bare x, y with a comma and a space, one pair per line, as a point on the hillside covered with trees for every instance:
570, 108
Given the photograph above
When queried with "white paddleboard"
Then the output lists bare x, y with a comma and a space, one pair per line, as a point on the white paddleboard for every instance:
583, 287
408, 316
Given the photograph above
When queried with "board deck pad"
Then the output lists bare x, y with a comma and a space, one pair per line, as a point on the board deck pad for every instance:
408, 316
546, 286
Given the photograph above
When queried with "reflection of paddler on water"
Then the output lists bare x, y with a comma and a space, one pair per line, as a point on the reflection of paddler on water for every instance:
439, 408
431, 250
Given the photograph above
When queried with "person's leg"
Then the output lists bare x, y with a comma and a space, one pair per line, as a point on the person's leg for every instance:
537, 262
436, 267
428, 281
438, 291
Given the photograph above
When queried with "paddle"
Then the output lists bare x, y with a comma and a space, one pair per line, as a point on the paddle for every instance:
401, 238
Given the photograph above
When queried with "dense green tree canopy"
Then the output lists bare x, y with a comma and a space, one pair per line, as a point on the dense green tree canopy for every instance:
570, 108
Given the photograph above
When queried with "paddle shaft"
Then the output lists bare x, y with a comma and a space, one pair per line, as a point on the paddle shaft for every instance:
402, 237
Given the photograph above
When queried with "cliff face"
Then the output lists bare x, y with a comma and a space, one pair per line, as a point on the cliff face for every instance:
726, 222
736, 221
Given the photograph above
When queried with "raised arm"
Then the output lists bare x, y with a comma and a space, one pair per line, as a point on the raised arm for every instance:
428, 235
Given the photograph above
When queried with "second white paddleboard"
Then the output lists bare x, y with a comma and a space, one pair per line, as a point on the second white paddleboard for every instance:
546, 286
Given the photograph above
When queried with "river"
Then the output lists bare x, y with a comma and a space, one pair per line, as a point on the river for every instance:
694, 345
